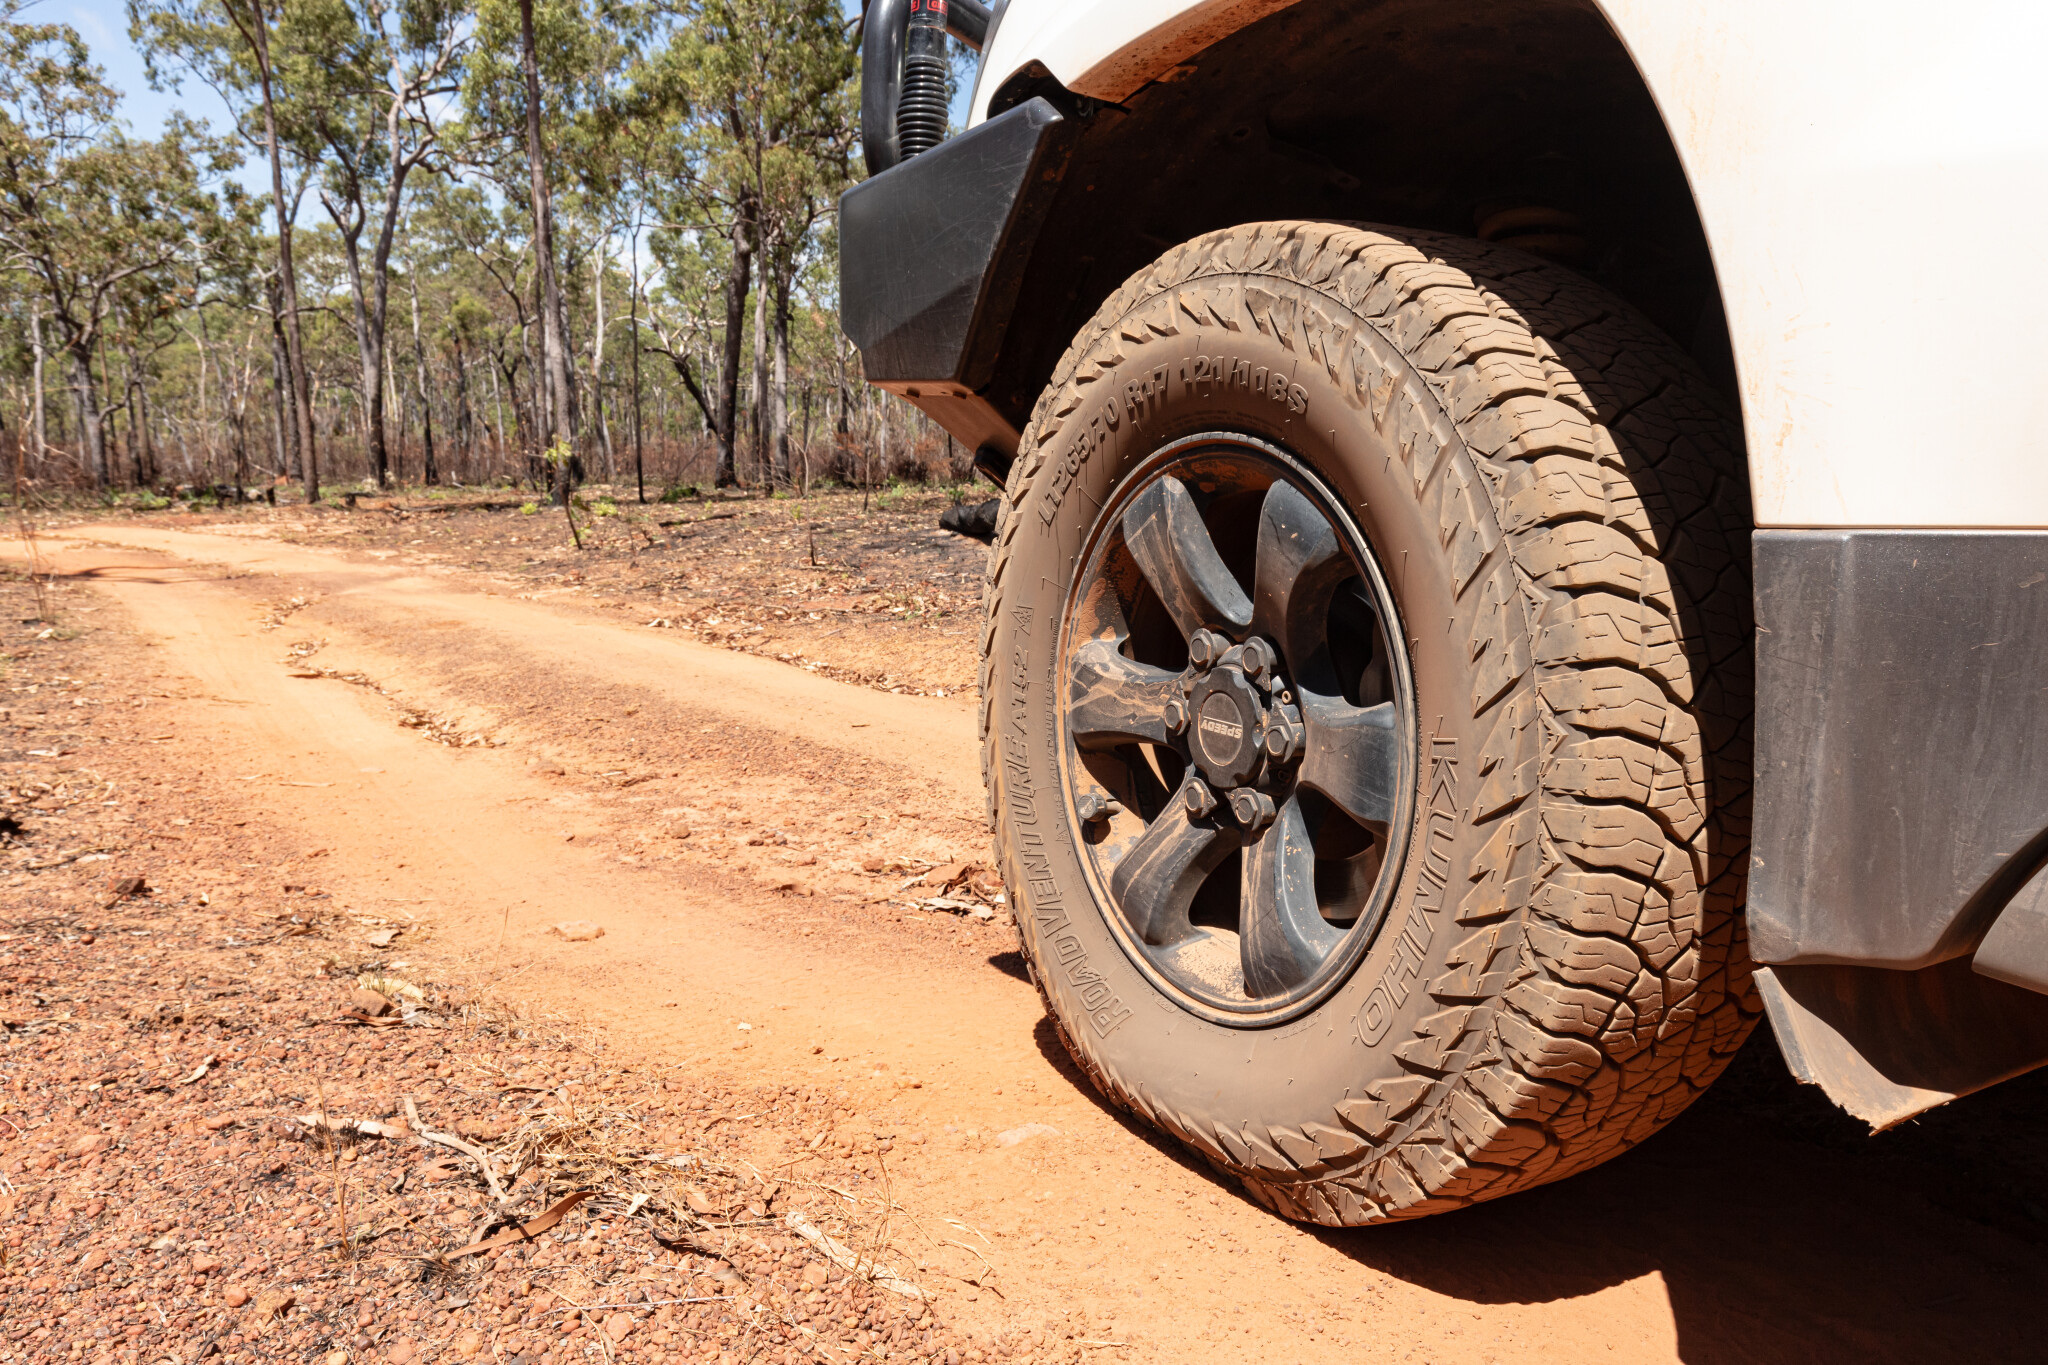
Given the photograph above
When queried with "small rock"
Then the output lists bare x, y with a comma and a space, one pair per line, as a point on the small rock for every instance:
1025, 1134
85, 938
578, 930
337, 1358
235, 1298
89, 1144
401, 1351
619, 1326
220, 1121
815, 1275
469, 1344
203, 1264
483, 1130
369, 1002
678, 831
384, 938
270, 1304
93, 1260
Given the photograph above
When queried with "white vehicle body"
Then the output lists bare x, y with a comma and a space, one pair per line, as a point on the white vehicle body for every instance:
1872, 185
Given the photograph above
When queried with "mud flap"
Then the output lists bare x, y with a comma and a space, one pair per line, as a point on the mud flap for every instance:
1887, 1045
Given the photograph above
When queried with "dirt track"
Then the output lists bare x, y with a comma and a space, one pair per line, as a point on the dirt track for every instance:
1758, 1228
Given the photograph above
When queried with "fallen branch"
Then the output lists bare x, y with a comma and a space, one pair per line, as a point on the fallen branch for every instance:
421, 1131
841, 1256
364, 1127
526, 1231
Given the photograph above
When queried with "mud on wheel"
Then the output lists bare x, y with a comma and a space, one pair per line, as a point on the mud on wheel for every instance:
1365, 704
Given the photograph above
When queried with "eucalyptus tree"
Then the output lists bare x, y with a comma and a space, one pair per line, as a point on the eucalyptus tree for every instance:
107, 229
766, 87
537, 99
373, 80
230, 45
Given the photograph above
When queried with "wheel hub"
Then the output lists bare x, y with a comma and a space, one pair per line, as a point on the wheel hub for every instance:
1225, 737
1273, 753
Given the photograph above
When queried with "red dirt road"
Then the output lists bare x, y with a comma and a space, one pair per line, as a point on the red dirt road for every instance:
1760, 1227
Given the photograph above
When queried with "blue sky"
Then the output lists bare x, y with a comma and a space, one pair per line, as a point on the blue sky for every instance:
104, 26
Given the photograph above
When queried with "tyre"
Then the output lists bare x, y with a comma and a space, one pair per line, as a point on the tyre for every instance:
1365, 695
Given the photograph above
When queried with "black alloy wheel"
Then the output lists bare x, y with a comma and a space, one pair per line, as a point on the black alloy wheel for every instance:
1240, 727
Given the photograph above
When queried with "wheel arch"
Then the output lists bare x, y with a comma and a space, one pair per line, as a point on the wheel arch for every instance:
1521, 120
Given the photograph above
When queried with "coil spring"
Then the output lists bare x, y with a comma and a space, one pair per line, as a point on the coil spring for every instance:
921, 113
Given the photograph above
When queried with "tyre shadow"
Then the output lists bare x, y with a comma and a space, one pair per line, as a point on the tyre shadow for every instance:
1782, 1229
1011, 964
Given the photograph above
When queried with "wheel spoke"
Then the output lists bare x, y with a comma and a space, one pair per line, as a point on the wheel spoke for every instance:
1156, 880
1164, 530
1300, 564
1115, 700
1283, 938
1353, 755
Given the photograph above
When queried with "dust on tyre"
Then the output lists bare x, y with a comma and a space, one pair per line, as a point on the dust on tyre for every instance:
1447, 545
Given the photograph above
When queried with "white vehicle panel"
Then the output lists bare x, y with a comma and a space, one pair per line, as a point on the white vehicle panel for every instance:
1109, 49
1873, 186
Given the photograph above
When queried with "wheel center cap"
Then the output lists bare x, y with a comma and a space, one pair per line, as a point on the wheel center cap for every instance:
1226, 713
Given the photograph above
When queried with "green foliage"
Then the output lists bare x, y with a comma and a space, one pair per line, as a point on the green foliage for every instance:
675, 133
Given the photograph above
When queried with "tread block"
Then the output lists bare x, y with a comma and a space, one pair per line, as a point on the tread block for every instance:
1484, 1134
1616, 768
1370, 1117
1332, 1144
1602, 963
1511, 1092
1559, 1008
1500, 639
1524, 427
1607, 836
1580, 555
1570, 1060
1603, 628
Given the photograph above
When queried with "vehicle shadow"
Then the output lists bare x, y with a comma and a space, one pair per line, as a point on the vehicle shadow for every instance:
1780, 1228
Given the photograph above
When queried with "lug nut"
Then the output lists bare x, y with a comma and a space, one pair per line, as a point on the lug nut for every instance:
1093, 806
1176, 715
1255, 656
1283, 738
1200, 799
1205, 647
1253, 809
